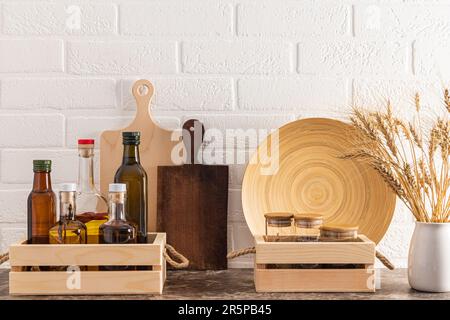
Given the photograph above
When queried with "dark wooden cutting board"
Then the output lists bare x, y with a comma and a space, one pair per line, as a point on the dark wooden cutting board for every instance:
192, 205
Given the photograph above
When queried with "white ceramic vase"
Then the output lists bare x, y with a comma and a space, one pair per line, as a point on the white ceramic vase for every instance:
429, 257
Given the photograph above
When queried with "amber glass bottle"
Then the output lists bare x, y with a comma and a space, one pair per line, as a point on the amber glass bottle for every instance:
134, 176
68, 230
41, 203
91, 205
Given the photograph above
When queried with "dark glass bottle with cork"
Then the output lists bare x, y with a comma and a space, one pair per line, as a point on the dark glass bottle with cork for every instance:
41, 204
134, 176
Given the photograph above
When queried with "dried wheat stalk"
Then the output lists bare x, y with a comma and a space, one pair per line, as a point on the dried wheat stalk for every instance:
414, 162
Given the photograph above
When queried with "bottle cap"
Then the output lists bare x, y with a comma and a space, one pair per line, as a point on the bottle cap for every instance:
131, 137
42, 165
117, 187
86, 141
68, 187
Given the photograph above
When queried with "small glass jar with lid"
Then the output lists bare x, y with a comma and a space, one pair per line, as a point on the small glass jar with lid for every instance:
338, 233
279, 226
341, 232
307, 226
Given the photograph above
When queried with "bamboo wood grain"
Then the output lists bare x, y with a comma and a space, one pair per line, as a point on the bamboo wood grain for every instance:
315, 280
91, 282
155, 148
314, 252
312, 178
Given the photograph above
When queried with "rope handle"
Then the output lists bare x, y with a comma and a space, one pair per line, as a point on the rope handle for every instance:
242, 252
385, 261
170, 251
4, 257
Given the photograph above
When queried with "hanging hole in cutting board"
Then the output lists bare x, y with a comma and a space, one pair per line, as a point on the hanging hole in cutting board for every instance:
143, 90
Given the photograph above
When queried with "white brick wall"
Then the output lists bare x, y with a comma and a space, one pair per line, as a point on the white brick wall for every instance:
66, 68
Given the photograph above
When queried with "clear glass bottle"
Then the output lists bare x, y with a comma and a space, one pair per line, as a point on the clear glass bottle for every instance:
279, 226
41, 203
68, 230
307, 226
117, 230
134, 176
92, 208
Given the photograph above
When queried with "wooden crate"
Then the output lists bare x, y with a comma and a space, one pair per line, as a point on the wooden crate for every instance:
22, 281
285, 278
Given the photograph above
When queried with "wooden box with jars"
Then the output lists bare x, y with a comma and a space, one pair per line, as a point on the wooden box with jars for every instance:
299, 253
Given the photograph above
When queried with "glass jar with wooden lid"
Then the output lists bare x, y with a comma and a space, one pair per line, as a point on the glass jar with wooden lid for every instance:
338, 232
279, 226
307, 226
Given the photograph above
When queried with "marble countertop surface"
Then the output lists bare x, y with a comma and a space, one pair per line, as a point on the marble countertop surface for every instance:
238, 284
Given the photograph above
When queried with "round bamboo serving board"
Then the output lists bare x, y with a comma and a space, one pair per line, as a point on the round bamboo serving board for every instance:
311, 177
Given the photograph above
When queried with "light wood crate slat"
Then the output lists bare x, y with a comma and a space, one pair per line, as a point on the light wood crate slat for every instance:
314, 252
87, 255
315, 280
91, 282
356, 273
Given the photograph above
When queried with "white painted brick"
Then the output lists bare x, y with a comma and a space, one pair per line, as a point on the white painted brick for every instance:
171, 123
193, 18
11, 235
241, 57
395, 243
374, 94
218, 125
121, 57
31, 130
242, 238
353, 58
14, 205
58, 93
297, 94
92, 127
293, 19
402, 20
31, 55
56, 18
235, 212
179, 94
431, 57
17, 165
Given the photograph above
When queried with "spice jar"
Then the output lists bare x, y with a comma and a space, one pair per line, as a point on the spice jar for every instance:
334, 232
307, 226
279, 226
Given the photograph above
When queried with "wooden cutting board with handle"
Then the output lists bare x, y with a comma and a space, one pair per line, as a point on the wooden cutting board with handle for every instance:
192, 205
155, 148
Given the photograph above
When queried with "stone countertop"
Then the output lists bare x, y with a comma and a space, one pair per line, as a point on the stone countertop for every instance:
238, 284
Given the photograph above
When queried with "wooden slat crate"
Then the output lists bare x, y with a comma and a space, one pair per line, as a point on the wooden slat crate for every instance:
22, 281
285, 277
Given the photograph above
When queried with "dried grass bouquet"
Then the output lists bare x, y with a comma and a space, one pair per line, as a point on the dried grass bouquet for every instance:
412, 159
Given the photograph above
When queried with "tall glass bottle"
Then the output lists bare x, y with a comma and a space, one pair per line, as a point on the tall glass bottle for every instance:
92, 208
68, 230
41, 203
134, 176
